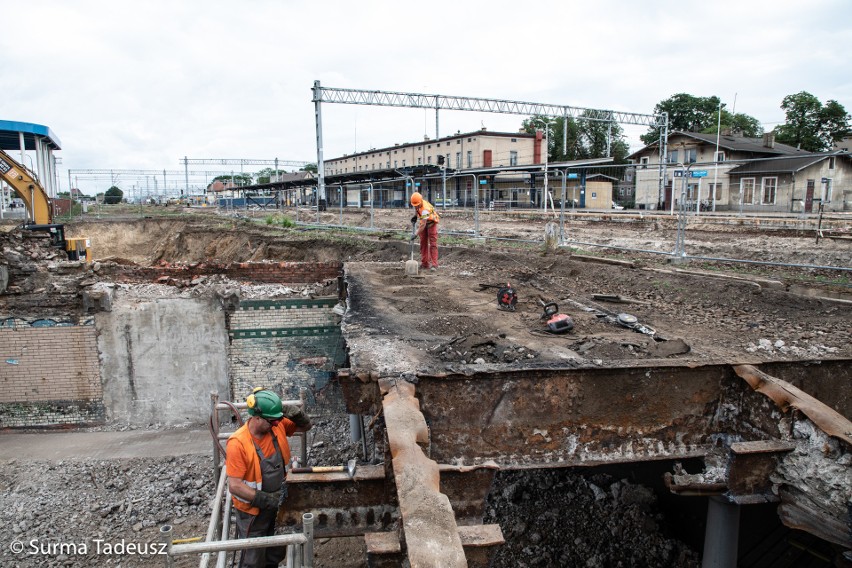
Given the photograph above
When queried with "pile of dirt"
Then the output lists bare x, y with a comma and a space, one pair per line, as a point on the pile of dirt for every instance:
557, 518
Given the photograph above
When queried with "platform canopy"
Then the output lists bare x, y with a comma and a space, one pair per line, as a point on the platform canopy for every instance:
10, 131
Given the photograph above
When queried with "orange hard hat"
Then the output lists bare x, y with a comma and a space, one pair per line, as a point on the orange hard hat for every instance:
416, 199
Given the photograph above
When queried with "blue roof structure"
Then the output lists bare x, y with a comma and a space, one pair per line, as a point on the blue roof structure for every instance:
10, 135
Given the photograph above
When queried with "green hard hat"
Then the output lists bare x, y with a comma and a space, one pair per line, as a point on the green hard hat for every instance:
264, 403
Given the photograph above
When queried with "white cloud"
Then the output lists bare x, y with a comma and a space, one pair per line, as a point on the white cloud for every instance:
141, 85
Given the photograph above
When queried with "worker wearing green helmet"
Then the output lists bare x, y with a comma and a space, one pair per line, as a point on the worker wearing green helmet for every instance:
256, 460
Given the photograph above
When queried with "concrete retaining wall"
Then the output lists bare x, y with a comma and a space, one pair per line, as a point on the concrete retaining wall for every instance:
49, 376
161, 359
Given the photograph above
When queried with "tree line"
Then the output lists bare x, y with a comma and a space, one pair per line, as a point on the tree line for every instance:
809, 125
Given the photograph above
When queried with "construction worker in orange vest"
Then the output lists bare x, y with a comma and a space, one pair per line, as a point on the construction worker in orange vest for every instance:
427, 217
257, 454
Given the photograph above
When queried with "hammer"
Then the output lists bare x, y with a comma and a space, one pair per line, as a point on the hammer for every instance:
349, 468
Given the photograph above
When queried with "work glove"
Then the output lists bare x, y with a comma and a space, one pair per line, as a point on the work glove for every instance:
301, 420
297, 416
412, 237
413, 219
266, 500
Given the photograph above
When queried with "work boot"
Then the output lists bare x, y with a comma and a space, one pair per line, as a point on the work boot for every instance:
433, 269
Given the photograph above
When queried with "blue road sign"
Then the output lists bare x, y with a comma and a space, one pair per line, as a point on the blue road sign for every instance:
483, 181
698, 173
573, 176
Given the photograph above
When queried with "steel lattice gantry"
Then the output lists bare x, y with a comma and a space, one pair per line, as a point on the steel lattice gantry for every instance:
244, 162
442, 102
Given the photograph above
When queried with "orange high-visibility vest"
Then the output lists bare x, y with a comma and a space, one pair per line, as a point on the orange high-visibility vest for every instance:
253, 477
426, 212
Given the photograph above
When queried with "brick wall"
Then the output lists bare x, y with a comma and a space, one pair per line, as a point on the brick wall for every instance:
285, 345
49, 376
260, 272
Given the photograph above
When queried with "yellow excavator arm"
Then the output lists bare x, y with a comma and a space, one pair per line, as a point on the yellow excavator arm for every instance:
28, 189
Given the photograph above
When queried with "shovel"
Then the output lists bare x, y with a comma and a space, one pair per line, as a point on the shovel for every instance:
412, 267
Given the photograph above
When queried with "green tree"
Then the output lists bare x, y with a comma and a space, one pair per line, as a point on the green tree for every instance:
113, 195
741, 123
686, 112
585, 138
700, 114
310, 168
810, 125
266, 175
239, 180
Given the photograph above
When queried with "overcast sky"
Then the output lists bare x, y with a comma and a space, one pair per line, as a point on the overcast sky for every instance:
140, 85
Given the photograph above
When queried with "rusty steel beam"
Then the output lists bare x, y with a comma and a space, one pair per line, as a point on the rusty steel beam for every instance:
467, 488
749, 468
573, 417
582, 417
367, 503
341, 506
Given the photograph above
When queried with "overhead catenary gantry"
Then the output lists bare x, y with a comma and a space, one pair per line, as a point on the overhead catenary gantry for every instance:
145, 178
443, 102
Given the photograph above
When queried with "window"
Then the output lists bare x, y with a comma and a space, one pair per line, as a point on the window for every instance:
458, 160
827, 190
716, 191
770, 184
514, 140
831, 163
458, 141
394, 163
403, 163
395, 151
719, 157
429, 146
513, 158
672, 157
419, 161
429, 160
691, 191
388, 165
470, 158
747, 190
690, 155
643, 162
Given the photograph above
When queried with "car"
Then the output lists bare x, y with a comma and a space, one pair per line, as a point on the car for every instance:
616, 206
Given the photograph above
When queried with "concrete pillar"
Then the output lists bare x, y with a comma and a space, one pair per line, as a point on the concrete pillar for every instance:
721, 536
